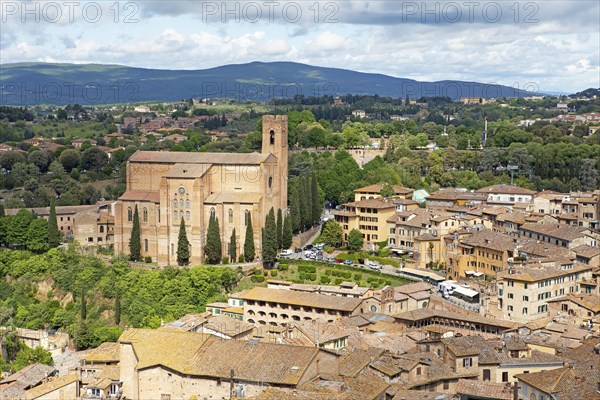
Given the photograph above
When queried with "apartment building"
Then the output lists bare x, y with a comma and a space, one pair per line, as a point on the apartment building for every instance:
278, 307
507, 195
374, 191
369, 217
448, 198
481, 250
559, 234
524, 291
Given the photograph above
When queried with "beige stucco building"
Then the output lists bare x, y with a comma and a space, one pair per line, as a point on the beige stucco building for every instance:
167, 187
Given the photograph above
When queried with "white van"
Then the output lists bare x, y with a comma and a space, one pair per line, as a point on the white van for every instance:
286, 253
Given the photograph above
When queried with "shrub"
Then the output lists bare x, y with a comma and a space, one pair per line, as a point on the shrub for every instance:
325, 280
357, 277
338, 280
225, 260
257, 278
147, 259
274, 272
311, 277
241, 258
283, 267
327, 272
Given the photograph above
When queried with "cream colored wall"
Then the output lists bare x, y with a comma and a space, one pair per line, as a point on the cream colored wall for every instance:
516, 370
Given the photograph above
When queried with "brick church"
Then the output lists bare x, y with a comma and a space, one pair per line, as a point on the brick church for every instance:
168, 186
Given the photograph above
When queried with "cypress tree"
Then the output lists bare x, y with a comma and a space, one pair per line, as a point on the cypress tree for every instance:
83, 305
295, 219
269, 239
135, 242
232, 249
183, 245
309, 202
287, 233
213, 242
117, 308
249, 241
53, 232
2, 213
302, 200
279, 230
316, 204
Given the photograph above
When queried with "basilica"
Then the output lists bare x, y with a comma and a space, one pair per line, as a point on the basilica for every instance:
234, 187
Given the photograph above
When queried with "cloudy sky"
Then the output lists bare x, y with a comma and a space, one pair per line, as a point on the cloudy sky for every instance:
553, 45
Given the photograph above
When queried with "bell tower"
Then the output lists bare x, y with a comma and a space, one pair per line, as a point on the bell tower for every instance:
275, 141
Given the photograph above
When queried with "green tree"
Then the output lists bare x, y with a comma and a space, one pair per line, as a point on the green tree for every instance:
287, 233
70, 159
183, 245
355, 240
249, 251
118, 307
213, 250
232, 247
588, 174
332, 233
387, 190
17, 228
53, 232
317, 207
279, 231
83, 309
269, 239
295, 220
135, 241
303, 200
37, 235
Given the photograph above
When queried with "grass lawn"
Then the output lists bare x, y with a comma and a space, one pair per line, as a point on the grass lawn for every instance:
311, 272
87, 129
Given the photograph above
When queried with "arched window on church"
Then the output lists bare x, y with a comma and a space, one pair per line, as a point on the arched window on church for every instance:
129, 214
272, 136
188, 203
145, 245
175, 203
270, 182
230, 212
145, 215
181, 203
212, 212
246, 216
175, 217
187, 216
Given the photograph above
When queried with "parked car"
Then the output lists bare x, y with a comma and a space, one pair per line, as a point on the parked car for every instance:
298, 250
331, 259
286, 253
375, 267
308, 247
339, 260
348, 262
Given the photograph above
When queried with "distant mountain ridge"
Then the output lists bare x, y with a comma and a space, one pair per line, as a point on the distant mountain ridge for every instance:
88, 84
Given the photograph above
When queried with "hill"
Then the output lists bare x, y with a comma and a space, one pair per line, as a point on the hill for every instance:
87, 84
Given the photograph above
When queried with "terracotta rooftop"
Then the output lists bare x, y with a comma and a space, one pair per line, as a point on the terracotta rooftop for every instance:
138, 195
559, 231
586, 251
371, 203
399, 190
299, 298
106, 352
51, 386
506, 189
484, 390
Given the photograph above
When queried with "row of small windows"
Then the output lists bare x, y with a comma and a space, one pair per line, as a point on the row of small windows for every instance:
177, 215
180, 203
